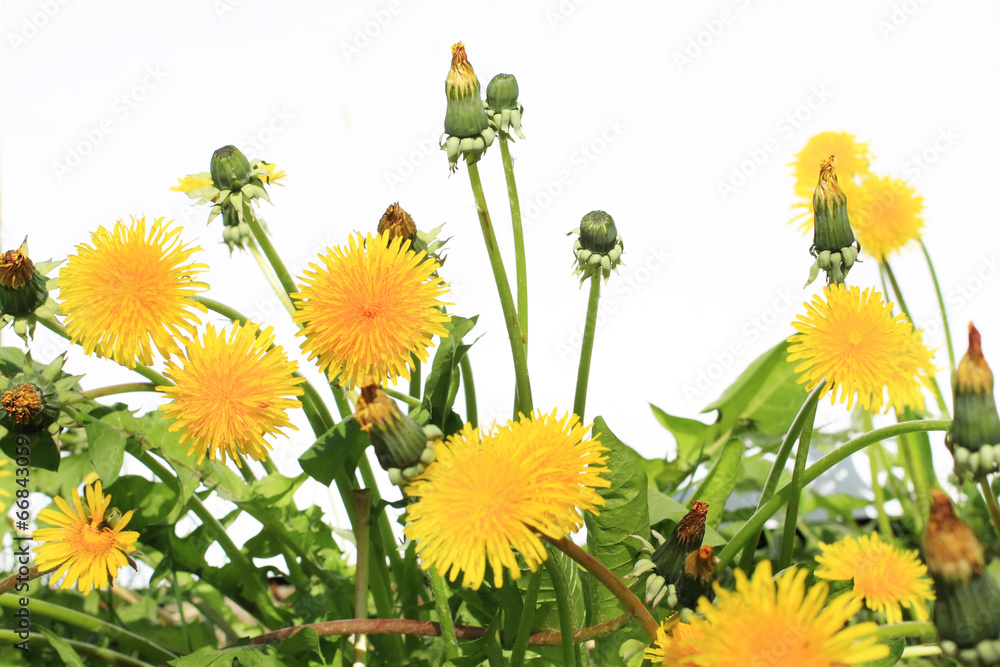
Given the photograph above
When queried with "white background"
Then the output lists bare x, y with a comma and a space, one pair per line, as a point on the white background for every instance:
640, 109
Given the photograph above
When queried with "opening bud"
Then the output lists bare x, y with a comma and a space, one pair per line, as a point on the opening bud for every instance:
404, 448
465, 121
686, 537
29, 405
398, 223
974, 436
834, 246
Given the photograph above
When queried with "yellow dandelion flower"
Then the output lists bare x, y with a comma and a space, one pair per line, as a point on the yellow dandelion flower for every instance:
490, 493
191, 183
131, 291
368, 307
88, 544
4, 493
230, 392
884, 577
853, 160
889, 216
272, 176
673, 646
777, 621
851, 339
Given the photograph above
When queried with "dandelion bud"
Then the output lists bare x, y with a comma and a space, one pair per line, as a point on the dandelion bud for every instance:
501, 104
30, 404
698, 576
465, 122
834, 246
404, 448
974, 437
599, 247
966, 612
22, 287
686, 537
230, 169
397, 222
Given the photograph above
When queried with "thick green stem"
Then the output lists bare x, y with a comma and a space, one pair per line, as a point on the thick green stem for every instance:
944, 311
272, 280
440, 592
797, 485
517, 341
756, 522
469, 386
566, 623
111, 390
95, 625
923, 630
881, 517
774, 475
273, 258
610, 581
991, 502
587, 347
415, 377
521, 266
400, 396
527, 618
105, 655
179, 599
362, 538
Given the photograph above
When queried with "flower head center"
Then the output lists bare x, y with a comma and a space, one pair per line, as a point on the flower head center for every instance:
22, 403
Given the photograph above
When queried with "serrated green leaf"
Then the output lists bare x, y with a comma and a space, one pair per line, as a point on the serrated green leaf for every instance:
547, 607
691, 435
106, 445
67, 653
718, 485
153, 501
439, 393
896, 646
626, 512
334, 451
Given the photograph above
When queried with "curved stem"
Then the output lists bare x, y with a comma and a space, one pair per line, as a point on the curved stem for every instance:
527, 618
924, 630
882, 518
272, 280
520, 260
105, 655
95, 625
561, 591
774, 475
440, 592
273, 258
469, 386
600, 572
8, 583
111, 390
400, 396
944, 311
756, 522
587, 347
517, 341
797, 485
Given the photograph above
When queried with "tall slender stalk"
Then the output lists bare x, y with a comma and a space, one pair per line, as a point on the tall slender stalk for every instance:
471, 409
272, 279
440, 592
362, 538
587, 347
797, 485
561, 591
520, 260
877, 490
944, 311
527, 618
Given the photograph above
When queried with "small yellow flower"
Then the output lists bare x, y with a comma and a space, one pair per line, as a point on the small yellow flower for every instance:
272, 177
889, 216
777, 622
131, 291
88, 544
851, 339
368, 307
884, 577
191, 183
230, 392
673, 646
490, 493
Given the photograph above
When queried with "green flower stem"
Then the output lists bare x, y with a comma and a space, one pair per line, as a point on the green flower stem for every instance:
265, 609
587, 347
440, 592
991, 502
95, 625
899, 488
272, 280
362, 538
415, 377
882, 518
610, 581
917, 469
774, 475
942, 405
520, 261
400, 396
944, 311
561, 591
340, 398
517, 341
105, 655
527, 618
144, 371
469, 386
179, 599
797, 485
756, 522
111, 390
273, 259
923, 630
923, 651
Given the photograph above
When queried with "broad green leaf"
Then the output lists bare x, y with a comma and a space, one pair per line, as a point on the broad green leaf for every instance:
303, 646
691, 434
44, 450
106, 445
442, 380
718, 485
152, 501
67, 653
334, 451
276, 489
245, 656
547, 609
626, 512
896, 646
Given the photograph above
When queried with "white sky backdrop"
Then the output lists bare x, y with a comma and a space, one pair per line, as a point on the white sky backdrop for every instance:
348, 98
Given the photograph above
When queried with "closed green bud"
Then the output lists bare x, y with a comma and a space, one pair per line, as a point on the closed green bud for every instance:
230, 169
599, 248
30, 404
22, 287
465, 122
501, 105
403, 447
834, 246
974, 436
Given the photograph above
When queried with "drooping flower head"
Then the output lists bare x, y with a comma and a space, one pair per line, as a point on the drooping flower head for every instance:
368, 307
889, 216
232, 389
777, 621
489, 493
885, 577
88, 544
131, 291
851, 339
